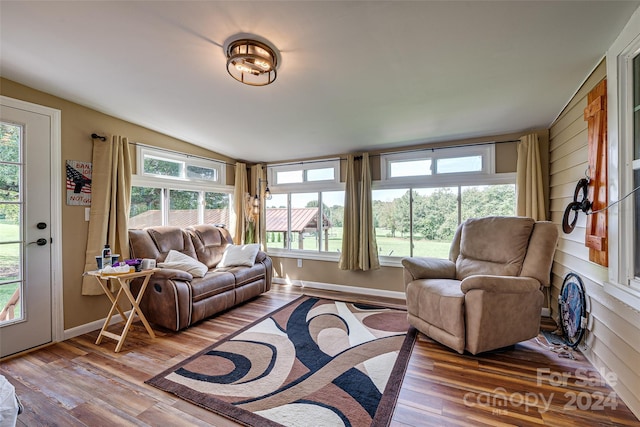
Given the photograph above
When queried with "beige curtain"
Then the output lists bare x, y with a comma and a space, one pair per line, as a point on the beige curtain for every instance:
359, 248
529, 185
240, 195
110, 203
367, 248
351, 221
259, 171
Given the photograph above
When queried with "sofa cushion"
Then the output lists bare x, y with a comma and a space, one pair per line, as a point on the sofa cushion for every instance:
237, 255
243, 274
179, 261
438, 302
493, 245
213, 283
209, 243
167, 238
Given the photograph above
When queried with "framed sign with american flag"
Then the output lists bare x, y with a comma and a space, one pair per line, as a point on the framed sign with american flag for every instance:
78, 183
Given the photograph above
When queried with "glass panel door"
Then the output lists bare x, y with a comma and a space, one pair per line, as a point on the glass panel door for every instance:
26, 141
11, 281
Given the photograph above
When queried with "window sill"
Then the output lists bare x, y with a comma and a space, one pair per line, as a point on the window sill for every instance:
330, 257
625, 294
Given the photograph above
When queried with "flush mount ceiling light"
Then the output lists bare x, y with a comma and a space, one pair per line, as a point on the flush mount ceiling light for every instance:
251, 62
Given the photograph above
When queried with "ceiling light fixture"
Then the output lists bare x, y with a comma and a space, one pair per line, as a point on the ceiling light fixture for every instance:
252, 62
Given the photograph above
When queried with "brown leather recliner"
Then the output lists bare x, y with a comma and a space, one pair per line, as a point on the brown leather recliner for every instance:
488, 294
175, 299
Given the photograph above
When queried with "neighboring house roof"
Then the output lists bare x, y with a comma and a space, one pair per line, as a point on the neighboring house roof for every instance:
301, 218
179, 217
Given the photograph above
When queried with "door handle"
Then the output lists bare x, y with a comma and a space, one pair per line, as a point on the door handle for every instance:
40, 242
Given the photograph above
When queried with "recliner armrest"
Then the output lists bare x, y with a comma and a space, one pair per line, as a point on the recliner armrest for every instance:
172, 274
500, 284
429, 268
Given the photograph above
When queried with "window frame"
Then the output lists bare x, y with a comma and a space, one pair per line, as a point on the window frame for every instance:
461, 179
487, 176
622, 283
305, 187
168, 183
143, 151
485, 151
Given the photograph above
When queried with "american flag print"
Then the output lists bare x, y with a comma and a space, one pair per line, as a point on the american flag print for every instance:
78, 183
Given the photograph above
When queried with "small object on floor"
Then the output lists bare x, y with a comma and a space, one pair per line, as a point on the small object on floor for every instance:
567, 355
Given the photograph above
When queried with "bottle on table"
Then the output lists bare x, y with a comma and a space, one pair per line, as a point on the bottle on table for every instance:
106, 256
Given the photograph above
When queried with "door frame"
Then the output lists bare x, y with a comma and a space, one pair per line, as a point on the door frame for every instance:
57, 308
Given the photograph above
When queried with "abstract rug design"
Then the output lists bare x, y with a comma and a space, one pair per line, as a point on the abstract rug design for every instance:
312, 362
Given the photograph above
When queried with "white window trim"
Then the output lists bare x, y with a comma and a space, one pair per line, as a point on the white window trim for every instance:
486, 151
621, 283
186, 159
167, 183
272, 171
447, 180
173, 184
314, 254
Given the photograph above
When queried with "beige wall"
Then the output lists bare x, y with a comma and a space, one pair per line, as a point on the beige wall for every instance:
78, 123
389, 278
613, 337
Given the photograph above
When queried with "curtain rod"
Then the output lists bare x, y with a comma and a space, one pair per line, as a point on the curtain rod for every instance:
414, 150
102, 138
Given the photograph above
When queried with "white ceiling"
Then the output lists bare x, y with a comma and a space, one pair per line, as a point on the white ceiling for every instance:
355, 76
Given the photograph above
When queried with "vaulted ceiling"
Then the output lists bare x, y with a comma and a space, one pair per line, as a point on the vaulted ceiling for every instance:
354, 75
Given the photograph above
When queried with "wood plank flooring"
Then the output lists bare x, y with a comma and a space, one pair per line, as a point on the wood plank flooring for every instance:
76, 383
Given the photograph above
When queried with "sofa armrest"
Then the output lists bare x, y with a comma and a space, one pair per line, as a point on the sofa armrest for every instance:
166, 302
500, 284
268, 268
172, 274
428, 268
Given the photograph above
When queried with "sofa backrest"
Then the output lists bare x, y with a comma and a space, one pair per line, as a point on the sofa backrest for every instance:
156, 242
542, 246
493, 246
209, 243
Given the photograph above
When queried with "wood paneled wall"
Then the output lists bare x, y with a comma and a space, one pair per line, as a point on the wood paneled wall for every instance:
613, 337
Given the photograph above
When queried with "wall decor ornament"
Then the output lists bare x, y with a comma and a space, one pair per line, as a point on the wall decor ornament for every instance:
78, 183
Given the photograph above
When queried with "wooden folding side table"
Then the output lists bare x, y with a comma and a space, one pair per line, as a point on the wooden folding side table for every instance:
123, 281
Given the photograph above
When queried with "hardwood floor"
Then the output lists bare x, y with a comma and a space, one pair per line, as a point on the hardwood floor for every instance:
76, 383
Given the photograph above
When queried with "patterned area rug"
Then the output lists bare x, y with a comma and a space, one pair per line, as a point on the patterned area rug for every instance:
312, 362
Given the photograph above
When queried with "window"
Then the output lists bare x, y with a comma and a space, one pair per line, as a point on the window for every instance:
306, 209
421, 221
623, 91
175, 189
324, 171
424, 195
305, 221
166, 164
470, 160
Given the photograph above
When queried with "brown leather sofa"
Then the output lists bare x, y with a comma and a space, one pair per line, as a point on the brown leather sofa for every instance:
174, 299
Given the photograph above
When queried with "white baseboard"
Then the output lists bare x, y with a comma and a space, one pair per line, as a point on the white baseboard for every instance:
341, 288
92, 326
546, 312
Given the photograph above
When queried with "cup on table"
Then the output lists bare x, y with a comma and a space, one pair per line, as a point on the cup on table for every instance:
114, 259
99, 262
147, 264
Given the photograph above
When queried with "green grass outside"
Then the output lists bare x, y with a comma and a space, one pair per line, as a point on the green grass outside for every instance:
6, 291
387, 246
9, 263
